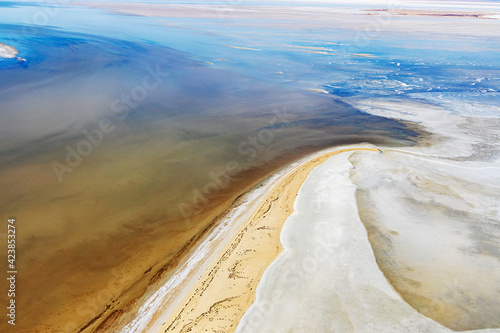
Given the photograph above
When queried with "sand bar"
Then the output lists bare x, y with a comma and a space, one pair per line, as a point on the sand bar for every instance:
214, 294
356, 286
333, 273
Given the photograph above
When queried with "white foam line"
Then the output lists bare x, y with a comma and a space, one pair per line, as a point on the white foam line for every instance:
164, 294
439, 160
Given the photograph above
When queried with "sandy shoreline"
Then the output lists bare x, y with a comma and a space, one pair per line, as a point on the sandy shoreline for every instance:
139, 271
214, 290
222, 295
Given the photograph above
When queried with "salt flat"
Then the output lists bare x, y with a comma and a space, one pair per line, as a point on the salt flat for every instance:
401, 241
148, 232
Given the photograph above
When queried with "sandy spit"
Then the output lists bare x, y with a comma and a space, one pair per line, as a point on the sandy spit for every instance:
223, 293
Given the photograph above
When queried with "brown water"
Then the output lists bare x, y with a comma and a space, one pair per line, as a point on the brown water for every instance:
152, 172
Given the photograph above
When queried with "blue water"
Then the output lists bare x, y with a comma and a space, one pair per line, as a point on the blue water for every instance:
81, 64
423, 65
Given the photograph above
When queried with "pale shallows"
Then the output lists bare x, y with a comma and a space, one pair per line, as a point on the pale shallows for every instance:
386, 242
127, 128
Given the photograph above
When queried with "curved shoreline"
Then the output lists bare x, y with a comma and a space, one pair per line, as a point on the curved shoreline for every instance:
221, 296
337, 273
179, 304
